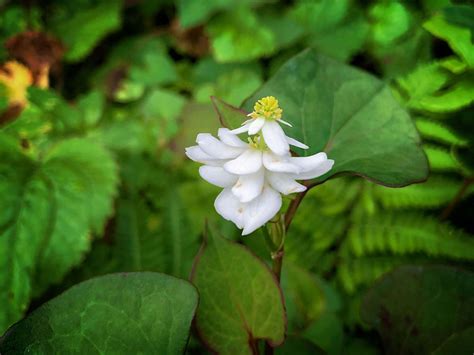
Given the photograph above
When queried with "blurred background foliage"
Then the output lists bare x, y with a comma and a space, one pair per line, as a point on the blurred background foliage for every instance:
106, 94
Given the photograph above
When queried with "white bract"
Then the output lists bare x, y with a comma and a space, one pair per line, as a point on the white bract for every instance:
252, 175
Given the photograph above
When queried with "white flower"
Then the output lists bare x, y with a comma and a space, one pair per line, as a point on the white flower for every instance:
265, 118
252, 176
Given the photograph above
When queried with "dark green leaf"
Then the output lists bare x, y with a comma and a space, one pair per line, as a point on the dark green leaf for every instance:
417, 309
350, 115
147, 313
240, 300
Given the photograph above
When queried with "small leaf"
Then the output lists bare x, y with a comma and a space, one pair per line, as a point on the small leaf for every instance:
147, 313
423, 82
458, 38
240, 300
439, 132
350, 115
390, 20
238, 36
417, 309
454, 65
456, 97
440, 158
87, 27
229, 116
195, 12
91, 106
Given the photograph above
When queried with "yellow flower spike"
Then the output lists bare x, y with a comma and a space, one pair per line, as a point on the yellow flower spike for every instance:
16, 78
267, 108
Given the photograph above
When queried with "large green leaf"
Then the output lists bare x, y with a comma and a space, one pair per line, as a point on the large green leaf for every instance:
49, 207
417, 309
240, 300
350, 115
139, 313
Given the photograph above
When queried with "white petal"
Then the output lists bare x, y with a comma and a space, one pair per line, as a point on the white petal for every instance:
229, 207
309, 163
197, 154
242, 129
247, 163
275, 138
294, 142
284, 122
226, 136
249, 186
279, 163
256, 125
321, 169
216, 175
261, 210
284, 183
215, 148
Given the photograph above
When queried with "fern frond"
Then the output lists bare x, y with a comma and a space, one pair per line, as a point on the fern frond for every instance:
440, 159
353, 273
438, 132
408, 233
435, 192
335, 196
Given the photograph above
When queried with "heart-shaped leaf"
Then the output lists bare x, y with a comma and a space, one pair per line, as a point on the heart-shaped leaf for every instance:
240, 300
349, 114
129, 313
417, 310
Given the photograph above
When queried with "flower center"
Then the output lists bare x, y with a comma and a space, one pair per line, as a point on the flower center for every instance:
267, 108
257, 142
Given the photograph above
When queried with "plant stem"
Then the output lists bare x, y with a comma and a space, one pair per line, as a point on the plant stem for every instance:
277, 263
447, 211
290, 212
276, 234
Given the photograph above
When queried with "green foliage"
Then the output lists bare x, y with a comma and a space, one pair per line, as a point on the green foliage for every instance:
82, 30
402, 306
458, 37
234, 37
439, 132
51, 206
350, 115
231, 279
119, 314
327, 23
407, 234
434, 193
133, 91
193, 12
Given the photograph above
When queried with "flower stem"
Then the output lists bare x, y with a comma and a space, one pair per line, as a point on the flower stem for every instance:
275, 238
294, 204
